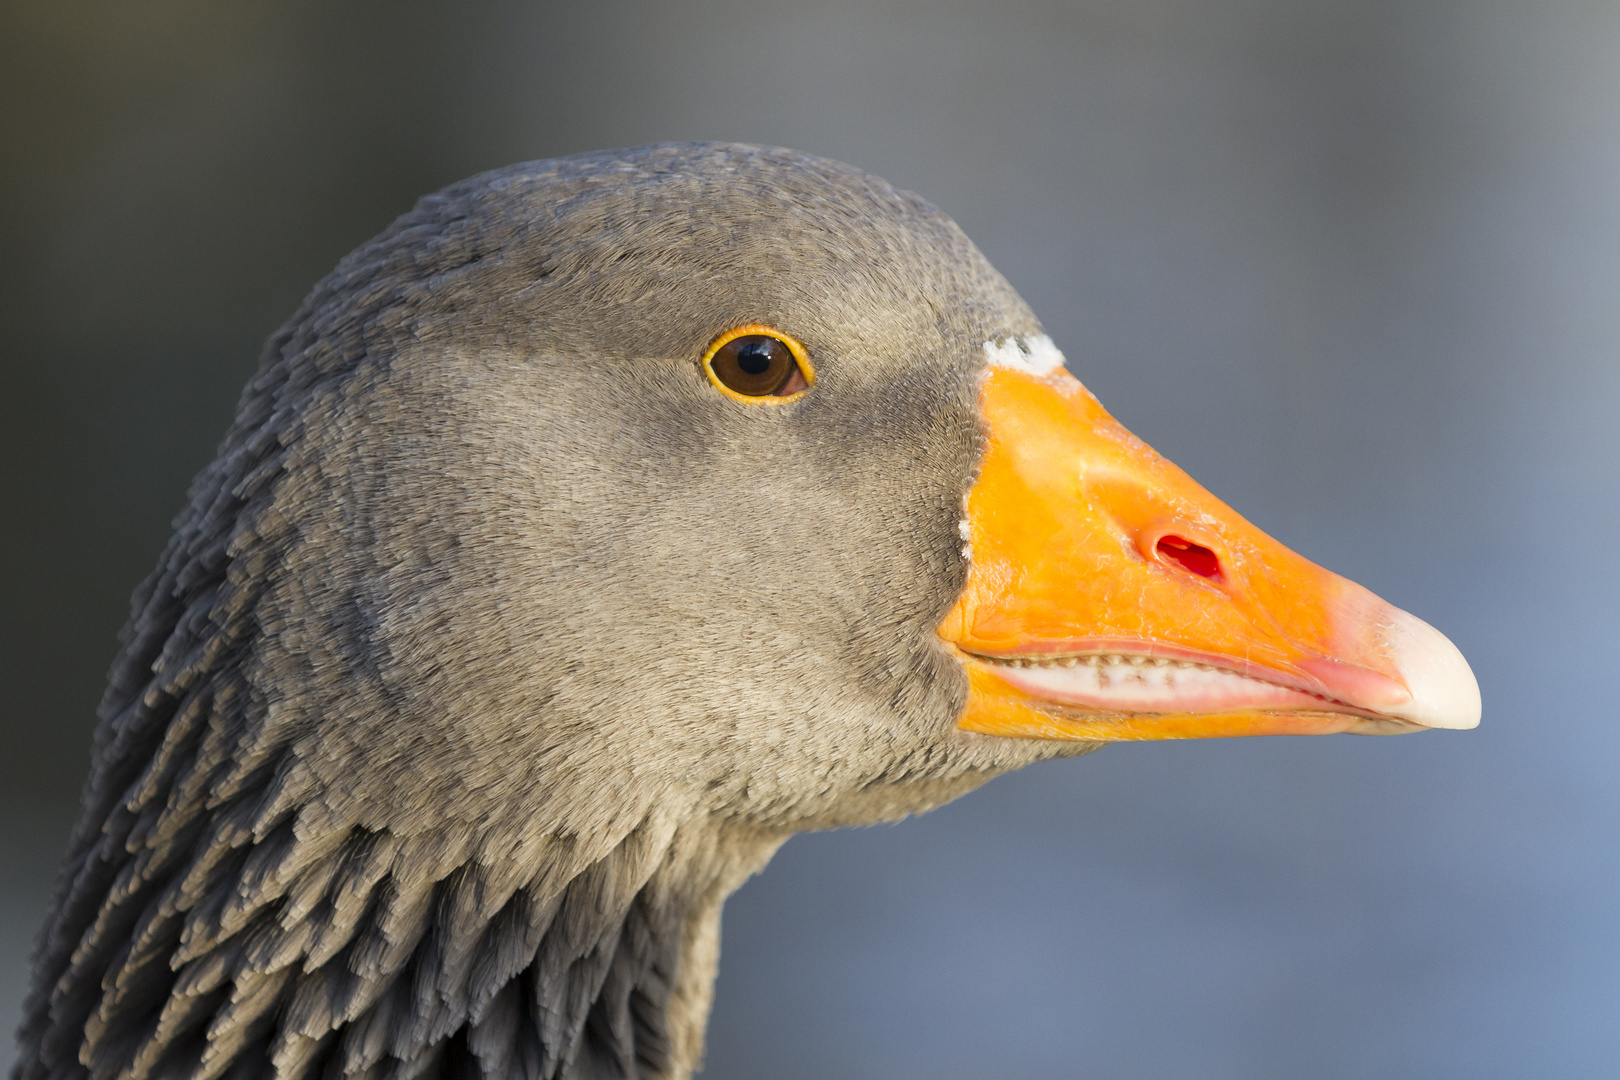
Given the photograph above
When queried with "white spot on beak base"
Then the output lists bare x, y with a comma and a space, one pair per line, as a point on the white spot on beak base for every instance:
1034, 355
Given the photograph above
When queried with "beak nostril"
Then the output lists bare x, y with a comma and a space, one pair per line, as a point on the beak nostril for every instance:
1192, 557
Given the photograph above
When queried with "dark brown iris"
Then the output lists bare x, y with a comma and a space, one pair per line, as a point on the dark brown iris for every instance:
755, 364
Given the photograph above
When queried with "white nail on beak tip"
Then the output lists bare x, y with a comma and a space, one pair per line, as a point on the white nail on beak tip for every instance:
1444, 691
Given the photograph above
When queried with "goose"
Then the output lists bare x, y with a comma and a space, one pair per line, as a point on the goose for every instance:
598, 526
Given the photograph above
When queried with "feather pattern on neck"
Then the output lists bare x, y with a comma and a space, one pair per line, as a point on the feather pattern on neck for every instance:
230, 908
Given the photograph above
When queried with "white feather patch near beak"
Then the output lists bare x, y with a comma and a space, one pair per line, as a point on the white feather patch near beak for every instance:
1034, 355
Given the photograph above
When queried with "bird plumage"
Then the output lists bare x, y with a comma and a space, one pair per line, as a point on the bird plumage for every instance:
495, 649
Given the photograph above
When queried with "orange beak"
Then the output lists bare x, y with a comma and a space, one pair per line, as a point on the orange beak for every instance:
1111, 597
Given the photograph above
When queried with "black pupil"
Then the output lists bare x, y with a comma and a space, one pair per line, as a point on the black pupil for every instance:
755, 357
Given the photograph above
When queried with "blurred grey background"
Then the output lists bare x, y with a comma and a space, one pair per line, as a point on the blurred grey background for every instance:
1353, 264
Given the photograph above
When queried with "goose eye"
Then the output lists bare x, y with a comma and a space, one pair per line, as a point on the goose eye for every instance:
758, 364
755, 365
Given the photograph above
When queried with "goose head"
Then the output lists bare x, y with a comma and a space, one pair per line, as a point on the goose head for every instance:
598, 526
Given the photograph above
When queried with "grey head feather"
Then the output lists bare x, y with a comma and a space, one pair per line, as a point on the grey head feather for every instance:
496, 647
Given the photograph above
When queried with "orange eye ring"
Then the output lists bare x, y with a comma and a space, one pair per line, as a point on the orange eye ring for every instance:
744, 384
